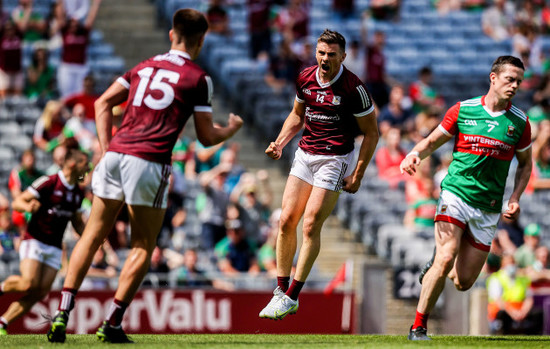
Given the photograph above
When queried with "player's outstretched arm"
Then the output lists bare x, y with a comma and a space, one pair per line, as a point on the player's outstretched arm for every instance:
210, 134
369, 129
422, 150
293, 124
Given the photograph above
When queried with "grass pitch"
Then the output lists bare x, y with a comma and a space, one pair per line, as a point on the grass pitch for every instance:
263, 341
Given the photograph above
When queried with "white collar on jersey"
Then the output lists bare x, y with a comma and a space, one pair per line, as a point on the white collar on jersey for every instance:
493, 114
180, 53
64, 180
327, 84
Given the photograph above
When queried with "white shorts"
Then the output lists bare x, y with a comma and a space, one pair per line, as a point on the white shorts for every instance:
322, 171
131, 179
39, 251
481, 225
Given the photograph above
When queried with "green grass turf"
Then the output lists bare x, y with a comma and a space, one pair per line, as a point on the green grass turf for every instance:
263, 341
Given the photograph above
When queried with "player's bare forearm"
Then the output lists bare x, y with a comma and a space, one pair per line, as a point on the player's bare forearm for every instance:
523, 173
115, 95
292, 125
369, 128
422, 150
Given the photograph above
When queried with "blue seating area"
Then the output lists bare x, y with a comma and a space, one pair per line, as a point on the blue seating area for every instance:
453, 45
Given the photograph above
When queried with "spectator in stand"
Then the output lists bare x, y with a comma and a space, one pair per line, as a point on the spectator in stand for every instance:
397, 113
389, 157
292, 21
419, 217
343, 9
267, 259
425, 122
87, 97
529, 13
218, 20
445, 6
509, 235
259, 26
21, 178
236, 253
539, 112
540, 177
212, 205
511, 301
40, 76
525, 254
75, 127
58, 157
48, 129
355, 59
376, 67
539, 271
29, 22
4, 16
188, 274
158, 270
415, 186
385, 9
11, 73
283, 67
527, 40
206, 158
101, 270
77, 9
230, 159
423, 95
497, 20
9, 239
76, 38
254, 196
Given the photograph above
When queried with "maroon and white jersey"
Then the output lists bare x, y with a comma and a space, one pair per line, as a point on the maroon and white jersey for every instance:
164, 91
330, 110
59, 201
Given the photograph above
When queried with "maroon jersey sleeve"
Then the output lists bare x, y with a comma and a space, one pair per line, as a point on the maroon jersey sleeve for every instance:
42, 187
361, 101
203, 94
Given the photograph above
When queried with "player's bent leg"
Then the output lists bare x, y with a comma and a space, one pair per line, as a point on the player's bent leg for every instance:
43, 277
27, 281
447, 242
145, 223
319, 206
468, 265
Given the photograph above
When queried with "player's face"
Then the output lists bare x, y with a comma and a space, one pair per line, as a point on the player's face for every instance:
82, 166
329, 58
506, 82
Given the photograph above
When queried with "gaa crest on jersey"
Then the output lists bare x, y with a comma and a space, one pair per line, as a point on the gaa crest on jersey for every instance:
443, 209
306, 91
510, 131
336, 100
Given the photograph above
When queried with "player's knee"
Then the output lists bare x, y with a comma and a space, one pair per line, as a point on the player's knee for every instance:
26, 286
444, 263
463, 285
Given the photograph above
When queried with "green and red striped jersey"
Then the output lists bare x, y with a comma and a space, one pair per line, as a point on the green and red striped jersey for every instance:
485, 144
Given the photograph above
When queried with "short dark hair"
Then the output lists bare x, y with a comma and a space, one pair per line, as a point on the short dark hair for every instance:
333, 37
501, 61
189, 25
73, 153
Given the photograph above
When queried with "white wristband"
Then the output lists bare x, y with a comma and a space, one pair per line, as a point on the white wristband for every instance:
413, 153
